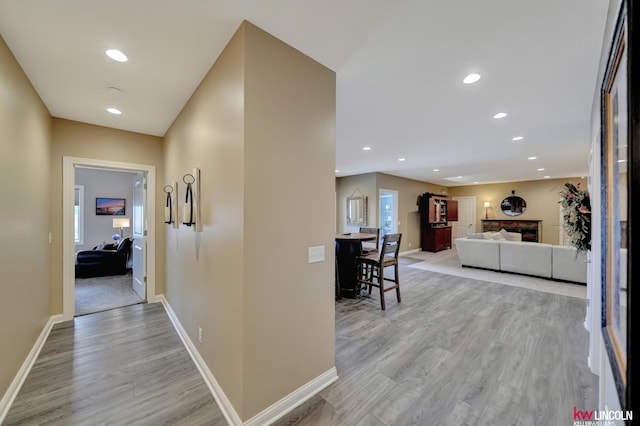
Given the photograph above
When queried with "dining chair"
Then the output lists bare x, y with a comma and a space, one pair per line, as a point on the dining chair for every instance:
371, 267
369, 247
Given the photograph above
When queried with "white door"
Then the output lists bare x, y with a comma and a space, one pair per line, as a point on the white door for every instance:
139, 227
466, 217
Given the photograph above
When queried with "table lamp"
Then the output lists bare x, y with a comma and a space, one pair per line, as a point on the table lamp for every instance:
123, 222
486, 209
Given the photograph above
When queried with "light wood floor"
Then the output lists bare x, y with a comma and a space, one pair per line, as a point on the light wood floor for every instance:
125, 366
456, 351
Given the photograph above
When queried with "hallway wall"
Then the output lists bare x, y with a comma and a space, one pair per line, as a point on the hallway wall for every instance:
25, 129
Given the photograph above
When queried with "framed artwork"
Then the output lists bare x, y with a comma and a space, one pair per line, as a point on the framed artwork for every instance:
110, 206
619, 180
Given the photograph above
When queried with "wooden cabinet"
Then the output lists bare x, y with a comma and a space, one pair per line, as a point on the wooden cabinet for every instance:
436, 238
435, 211
530, 229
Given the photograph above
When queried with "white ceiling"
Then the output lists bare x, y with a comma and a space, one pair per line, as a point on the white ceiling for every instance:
399, 66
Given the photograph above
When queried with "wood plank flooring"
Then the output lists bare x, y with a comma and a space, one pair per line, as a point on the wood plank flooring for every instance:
456, 351
125, 366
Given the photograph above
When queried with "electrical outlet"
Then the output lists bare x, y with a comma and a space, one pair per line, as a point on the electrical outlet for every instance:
200, 335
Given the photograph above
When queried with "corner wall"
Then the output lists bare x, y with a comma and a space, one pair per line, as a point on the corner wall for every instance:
25, 129
261, 128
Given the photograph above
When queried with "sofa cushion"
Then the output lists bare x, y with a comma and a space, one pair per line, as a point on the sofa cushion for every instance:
511, 236
526, 258
569, 265
476, 236
478, 253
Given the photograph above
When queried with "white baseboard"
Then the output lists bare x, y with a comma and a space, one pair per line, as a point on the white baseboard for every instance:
23, 372
265, 417
404, 253
295, 398
215, 389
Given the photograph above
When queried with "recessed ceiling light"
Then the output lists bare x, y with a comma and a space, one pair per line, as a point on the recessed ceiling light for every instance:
366, 148
337, 171
436, 170
541, 169
532, 158
500, 115
401, 159
471, 78
547, 177
476, 182
116, 55
517, 138
458, 177
115, 111
621, 161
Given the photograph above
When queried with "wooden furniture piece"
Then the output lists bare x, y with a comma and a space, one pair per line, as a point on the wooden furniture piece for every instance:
348, 248
531, 230
370, 247
435, 212
371, 267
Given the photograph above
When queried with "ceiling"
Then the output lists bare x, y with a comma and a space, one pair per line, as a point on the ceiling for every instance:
399, 67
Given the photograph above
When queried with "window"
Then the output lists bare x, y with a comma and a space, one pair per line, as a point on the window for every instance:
78, 215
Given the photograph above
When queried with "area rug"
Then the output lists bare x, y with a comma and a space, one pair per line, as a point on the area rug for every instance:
447, 262
102, 293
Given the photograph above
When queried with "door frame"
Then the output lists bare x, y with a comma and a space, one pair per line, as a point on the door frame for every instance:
68, 247
474, 213
396, 213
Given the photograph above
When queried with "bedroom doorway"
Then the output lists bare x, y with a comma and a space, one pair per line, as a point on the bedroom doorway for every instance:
140, 212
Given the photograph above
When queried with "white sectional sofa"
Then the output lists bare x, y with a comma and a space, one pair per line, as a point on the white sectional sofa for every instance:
537, 259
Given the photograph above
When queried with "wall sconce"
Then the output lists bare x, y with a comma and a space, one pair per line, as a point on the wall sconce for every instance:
171, 205
486, 209
191, 209
122, 222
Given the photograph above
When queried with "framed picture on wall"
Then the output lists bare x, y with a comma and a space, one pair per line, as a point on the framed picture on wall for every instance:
620, 175
110, 206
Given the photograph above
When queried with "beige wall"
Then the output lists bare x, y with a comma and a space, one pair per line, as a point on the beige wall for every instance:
370, 184
408, 215
541, 196
263, 114
71, 138
25, 128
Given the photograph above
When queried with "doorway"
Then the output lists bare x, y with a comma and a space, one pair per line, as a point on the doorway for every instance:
388, 212
466, 217
145, 222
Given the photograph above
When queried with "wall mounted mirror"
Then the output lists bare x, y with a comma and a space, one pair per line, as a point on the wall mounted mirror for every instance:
513, 205
357, 210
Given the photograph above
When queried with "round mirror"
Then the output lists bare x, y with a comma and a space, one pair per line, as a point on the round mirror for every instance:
513, 205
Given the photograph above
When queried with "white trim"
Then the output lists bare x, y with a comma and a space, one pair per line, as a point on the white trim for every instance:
295, 398
27, 365
215, 389
408, 252
265, 417
68, 247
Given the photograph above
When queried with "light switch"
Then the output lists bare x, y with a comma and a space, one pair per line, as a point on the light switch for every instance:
316, 254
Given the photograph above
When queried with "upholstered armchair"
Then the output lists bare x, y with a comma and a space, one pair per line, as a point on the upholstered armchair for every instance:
104, 260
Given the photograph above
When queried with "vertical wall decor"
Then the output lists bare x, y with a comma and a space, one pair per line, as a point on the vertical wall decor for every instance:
171, 205
191, 208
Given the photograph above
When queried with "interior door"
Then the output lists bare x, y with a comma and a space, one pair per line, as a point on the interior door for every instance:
466, 217
139, 227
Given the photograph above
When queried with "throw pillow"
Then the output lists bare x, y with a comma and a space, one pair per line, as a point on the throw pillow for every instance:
497, 236
100, 246
476, 236
510, 236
